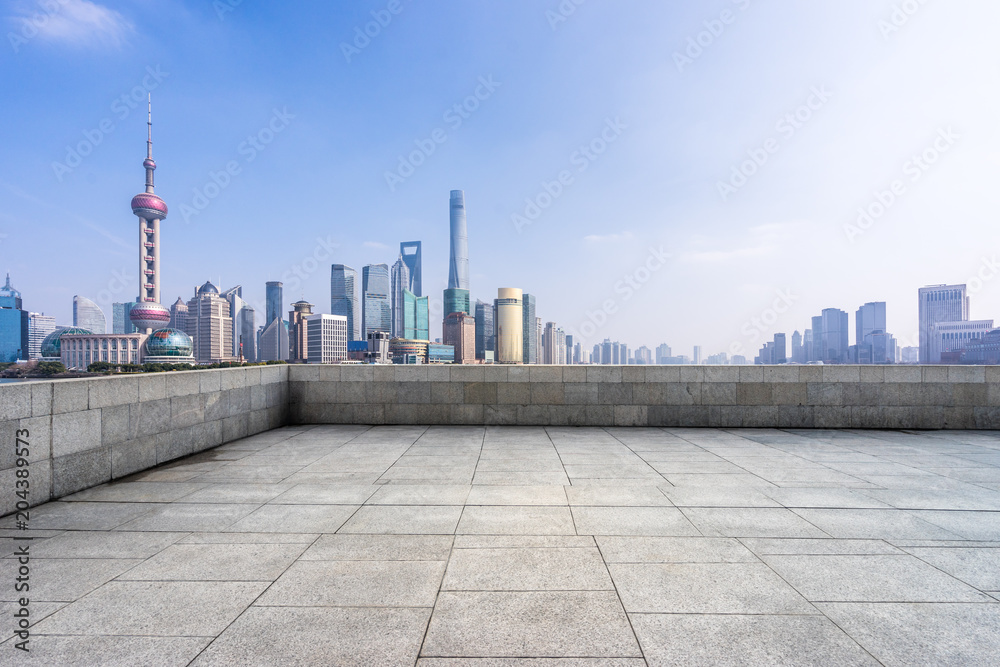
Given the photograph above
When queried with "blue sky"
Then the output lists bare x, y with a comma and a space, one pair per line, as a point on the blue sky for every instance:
665, 122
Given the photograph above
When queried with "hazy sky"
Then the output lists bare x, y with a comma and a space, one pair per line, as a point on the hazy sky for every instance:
643, 109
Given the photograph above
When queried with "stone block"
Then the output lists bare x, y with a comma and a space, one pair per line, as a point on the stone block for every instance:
725, 416
309, 372
175, 444
969, 395
234, 428
210, 381
133, 456
934, 373
518, 373
682, 393
350, 391
841, 374
81, 470
152, 387
70, 396
810, 373
15, 400
514, 393
604, 374
872, 373
795, 416
216, 405
720, 393
781, 373
151, 417
966, 374
468, 373
41, 399
532, 415
902, 373
831, 416
409, 373
233, 378
662, 415
76, 432
692, 374
722, 374
331, 372
751, 373
663, 374
272, 374
789, 393
959, 418
693, 416
545, 374
496, 373
574, 373
184, 383
633, 374
413, 392
252, 375
581, 393
374, 415
548, 393
825, 393
612, 393
239, 401
187, 410
760, 416
39, 436
435, 373
987, 418
115, 424
465, 414
481, 393
258, 397
631, 415
507, 414
448, 393
753, 393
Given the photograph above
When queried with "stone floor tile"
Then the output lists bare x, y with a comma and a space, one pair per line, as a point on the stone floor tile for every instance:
521, 478
136, 492
380, 547
155, 608
82, 515
516, 520
531, 662
527, 569
62, 579
103, 544
113, 651
246, 494
517, 495
289, 637
705, 588
710, 640
404, 520
750, 522
524, 541
217, 562
673, 550
325, 494
420, 494
617, 495
818, 547
667, 521
329, 583
295, 519
888, 524
553, 624
965, 525
900, 578
189, 517
922, 634
977, 567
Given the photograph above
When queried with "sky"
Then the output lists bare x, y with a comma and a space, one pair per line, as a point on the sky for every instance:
653, 172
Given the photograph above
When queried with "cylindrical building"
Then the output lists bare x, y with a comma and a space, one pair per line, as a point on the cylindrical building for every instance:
509, 326
458, 271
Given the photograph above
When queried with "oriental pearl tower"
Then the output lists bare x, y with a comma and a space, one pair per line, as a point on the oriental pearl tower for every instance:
148, 314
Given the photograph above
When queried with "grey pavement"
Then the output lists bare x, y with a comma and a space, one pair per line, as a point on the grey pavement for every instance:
448, 546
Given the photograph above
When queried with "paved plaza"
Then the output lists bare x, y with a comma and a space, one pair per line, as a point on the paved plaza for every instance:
447, 546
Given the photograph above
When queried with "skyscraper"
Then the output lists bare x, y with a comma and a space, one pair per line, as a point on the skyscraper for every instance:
780, 349
327, 338
244, 324
344, 298
376, 310
697, 354
509, 326
88, 315
940, 303
275, 299
834, 338
148, 313
298, 334
458, 267
460, 331
869, 318
410, 252
416, 317
485, 330
39, 326
457, 300
400, 281
13, 322
273, 342
178, 315
530, 354
121, 323
210, 325
798, 352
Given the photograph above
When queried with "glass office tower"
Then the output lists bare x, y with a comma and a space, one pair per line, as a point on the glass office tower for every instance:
344, 298
375, 305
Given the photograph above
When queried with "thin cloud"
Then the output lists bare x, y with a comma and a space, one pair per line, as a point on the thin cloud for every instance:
609, 238
78, 23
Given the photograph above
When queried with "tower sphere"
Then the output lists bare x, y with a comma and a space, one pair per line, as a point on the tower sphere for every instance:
149, 315
149, 206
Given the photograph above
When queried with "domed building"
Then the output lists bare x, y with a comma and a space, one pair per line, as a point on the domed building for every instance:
52, 344
169, 346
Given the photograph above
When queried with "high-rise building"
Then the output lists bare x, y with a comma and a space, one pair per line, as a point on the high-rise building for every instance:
460, 332
88, 315
807, 347
244, 324
273, 341
798, 352
550, 352
274, 301
416, 317
509, 326
298, 332
458, 266
485, 330
568, 341
148, 314
210, 325
344, 299
178, 315
817, 352
780, 355
457, 300
697, 354
326, 337
410, 253
643, 355
400, 281
663, 352
539, 331
14, 335
121, 323
949, 339
869, 318
530, 354
940, 303
40, 325
834, 338
376, 310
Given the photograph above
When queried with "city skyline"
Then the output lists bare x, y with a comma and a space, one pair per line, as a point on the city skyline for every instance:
860, 121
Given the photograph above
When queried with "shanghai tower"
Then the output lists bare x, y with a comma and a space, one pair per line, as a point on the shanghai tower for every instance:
456, 297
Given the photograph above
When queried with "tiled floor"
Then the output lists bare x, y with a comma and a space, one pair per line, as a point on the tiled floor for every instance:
450, 546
